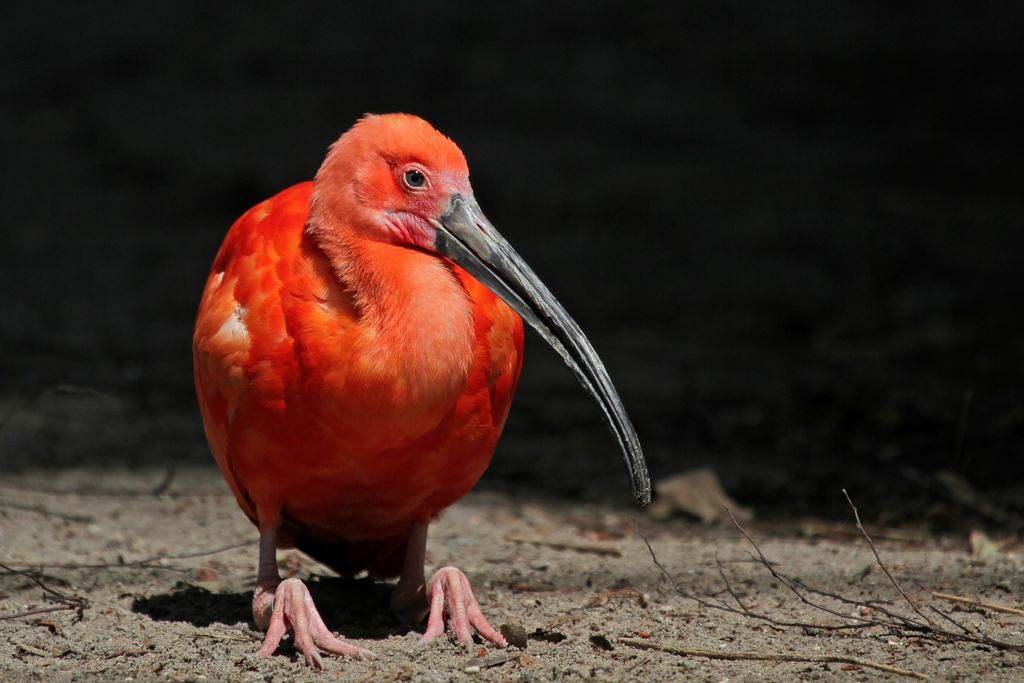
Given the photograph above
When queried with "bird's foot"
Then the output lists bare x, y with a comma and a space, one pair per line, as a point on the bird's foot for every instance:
289, 606
448, 592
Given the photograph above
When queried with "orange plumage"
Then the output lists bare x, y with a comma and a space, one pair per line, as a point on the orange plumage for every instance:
349, 435
354, 378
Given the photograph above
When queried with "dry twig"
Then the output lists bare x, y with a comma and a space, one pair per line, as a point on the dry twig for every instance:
878, 558
896, 622
29, 649
566, 545
41, 510
766, 657
33, 612
795, 586
155, 562
219, 636
725, 607
72, 602
975, 603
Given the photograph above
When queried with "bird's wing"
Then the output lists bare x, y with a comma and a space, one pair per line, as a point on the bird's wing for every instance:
239, 295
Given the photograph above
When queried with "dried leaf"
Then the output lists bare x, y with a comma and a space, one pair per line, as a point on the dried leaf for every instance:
697, 493
983, 547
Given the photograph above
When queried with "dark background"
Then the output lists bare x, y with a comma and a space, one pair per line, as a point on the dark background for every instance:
791, 229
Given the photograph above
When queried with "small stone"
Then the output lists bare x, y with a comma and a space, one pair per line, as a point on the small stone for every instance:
514, 633
206, 574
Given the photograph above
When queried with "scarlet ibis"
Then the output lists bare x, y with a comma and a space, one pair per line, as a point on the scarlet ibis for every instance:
356, 350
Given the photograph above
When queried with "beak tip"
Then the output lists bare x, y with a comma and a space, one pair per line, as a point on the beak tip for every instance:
639, 477
642, 495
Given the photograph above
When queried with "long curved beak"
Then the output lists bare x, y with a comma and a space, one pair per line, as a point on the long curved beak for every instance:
467, 238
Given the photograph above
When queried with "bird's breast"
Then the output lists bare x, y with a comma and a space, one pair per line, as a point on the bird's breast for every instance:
384, 355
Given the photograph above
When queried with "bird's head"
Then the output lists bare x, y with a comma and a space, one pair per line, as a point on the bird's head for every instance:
390, 178
394, 178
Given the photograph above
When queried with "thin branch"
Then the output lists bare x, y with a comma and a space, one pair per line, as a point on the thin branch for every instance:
878, 559
951, 620
790, 584
154, 562
35, 579
218, 636
896, 622
566, 545
201, 553
765, 657
926, 630
29, 648
72, 602
33, 612
902, 621
728, 586
725, 607
40, 510
658, 564
974, 603
876, 604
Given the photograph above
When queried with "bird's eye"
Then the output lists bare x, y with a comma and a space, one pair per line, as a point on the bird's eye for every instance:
415, 178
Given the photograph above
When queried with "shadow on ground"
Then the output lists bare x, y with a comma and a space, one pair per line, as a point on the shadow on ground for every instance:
196, 606
356, 607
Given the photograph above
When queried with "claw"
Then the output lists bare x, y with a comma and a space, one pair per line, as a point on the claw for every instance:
293, 609
449, 593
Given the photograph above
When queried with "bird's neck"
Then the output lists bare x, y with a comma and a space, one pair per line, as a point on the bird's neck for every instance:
416, 318
410, 295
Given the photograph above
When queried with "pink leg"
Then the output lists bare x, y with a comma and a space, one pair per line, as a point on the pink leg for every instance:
281, 605
448, 592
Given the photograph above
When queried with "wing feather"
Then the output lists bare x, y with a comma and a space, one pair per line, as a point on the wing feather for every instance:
234, 299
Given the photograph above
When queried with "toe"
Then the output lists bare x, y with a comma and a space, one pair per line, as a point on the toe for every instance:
294, 609
450, 593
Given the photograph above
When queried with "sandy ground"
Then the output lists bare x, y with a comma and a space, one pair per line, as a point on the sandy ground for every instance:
165, 581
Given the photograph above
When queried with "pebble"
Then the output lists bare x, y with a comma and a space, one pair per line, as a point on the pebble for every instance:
514, 633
